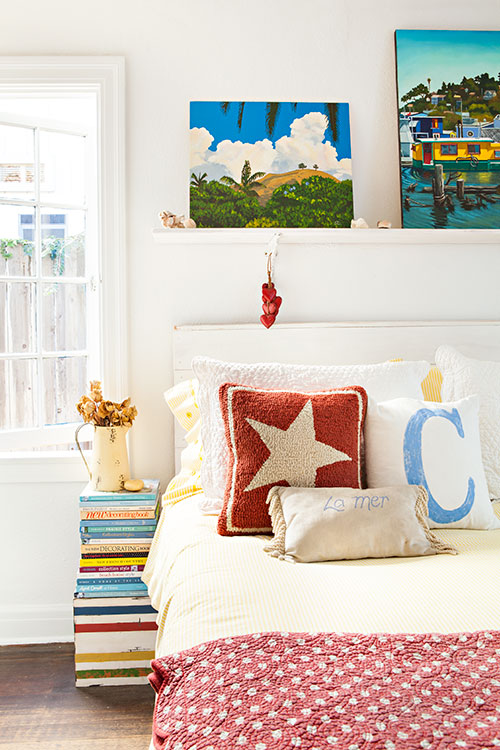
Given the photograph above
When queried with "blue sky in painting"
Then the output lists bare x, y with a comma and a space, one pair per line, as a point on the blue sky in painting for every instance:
445, 56
222, 126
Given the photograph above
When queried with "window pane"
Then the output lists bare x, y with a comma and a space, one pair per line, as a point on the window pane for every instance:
64, 382
63, 242
17, 300
17, 393
17, 158
62, 159
64, 323
17, 227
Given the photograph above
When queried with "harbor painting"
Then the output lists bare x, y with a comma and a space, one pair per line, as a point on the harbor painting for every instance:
270, 164
449, 128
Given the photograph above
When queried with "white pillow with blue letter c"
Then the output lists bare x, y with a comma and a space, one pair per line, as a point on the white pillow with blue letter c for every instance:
408, 441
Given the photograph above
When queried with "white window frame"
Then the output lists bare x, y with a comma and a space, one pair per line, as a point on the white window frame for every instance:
41, 436
105, 76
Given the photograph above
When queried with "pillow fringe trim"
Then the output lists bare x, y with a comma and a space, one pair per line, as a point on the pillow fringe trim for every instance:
421, 512
276, 547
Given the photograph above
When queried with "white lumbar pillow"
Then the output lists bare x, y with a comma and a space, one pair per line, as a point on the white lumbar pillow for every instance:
463, 376
437, 446
381, 381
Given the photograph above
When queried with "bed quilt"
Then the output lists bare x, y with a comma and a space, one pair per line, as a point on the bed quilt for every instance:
268, 691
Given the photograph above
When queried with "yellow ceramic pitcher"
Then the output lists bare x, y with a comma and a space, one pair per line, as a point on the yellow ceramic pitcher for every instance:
109, 467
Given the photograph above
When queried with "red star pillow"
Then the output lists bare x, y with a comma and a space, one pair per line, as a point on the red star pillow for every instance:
287, 439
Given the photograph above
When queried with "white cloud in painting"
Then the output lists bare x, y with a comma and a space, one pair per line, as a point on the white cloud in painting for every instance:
306, 143
233, 154
201, 140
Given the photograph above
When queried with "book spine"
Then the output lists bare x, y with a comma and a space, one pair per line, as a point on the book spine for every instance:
130, 524
116, 528
110, 586
100, 560
146, 498
106, 575
112, 569
109, 555
132, 549
128, 593
110, 514
124, 540
87, 536
122, 505
109, 581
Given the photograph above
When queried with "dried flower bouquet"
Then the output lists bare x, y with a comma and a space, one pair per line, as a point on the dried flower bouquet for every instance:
101, 413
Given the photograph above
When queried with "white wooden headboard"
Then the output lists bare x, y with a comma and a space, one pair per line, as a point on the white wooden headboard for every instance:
330, 343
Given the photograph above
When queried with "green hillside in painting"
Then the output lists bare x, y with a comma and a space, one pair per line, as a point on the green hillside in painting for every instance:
299, 198
479, 96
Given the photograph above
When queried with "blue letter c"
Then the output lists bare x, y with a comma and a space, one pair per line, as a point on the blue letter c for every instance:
414, 466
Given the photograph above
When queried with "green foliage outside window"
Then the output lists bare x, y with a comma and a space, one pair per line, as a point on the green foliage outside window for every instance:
57, 248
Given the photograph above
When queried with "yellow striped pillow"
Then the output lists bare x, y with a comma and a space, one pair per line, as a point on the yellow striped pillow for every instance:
431, 384
182, 402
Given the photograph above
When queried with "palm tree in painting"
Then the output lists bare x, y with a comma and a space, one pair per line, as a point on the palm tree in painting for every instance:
198, 180
248, 181
272, 112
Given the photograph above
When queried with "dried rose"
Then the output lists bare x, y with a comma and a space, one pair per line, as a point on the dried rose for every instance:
96, 390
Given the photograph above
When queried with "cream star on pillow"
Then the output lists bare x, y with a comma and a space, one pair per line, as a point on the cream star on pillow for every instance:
296, 454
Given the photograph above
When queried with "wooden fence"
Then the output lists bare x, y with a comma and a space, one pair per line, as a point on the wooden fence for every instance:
55, 323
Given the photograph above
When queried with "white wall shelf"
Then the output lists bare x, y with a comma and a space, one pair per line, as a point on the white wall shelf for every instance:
254, 236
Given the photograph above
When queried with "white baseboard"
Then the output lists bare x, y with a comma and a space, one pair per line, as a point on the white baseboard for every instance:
36, 623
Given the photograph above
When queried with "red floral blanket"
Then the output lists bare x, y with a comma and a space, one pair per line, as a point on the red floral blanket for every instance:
318, 691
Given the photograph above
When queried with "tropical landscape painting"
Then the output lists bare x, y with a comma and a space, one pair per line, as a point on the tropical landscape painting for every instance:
449, 128
270, 164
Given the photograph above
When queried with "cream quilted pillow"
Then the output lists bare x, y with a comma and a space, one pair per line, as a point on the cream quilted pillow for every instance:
464, 376
381, 381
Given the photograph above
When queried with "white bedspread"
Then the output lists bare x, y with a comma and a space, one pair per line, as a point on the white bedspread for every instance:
206, 586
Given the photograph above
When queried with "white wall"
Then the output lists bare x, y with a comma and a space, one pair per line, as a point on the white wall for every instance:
319, 50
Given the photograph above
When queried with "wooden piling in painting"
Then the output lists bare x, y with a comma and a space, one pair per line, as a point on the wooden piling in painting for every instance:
460, 189
438, 184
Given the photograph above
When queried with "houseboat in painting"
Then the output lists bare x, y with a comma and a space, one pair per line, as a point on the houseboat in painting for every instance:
463, 154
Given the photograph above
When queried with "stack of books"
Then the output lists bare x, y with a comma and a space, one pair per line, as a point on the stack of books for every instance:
116, 531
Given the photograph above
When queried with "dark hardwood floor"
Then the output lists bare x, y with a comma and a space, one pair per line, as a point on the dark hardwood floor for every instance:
40, 708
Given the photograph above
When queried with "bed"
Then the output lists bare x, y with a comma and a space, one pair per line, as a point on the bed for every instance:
209, 588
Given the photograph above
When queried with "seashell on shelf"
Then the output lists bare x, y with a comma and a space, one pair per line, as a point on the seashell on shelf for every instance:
359, 224
172, 221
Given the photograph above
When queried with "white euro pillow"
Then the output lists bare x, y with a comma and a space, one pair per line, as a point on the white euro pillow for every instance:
435, 445
381, 381
464, 376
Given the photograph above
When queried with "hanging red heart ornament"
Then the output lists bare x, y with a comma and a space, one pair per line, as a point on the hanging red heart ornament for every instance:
271, 305
271, 302
270, 308
268, 292
267, 320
